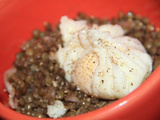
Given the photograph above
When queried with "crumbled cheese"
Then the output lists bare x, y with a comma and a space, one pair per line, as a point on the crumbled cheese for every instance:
56, 110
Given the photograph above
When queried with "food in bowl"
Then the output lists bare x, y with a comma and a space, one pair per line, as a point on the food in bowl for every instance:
100, 60
39, 85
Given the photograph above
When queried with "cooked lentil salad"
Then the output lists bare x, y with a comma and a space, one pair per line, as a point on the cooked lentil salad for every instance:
39, 81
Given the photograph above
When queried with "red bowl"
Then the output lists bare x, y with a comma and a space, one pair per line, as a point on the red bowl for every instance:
19, 17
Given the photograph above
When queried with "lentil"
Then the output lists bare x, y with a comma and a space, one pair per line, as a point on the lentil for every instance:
39, 81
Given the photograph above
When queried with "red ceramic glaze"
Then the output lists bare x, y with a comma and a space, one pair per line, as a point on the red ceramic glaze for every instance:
19, 17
